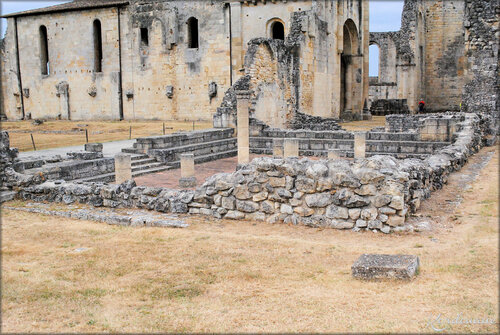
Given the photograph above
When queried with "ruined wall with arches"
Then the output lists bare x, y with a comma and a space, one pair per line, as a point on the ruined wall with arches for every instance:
424, 60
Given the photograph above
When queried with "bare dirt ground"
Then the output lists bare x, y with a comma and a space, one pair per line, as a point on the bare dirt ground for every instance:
54, 134
376, 121
224, 276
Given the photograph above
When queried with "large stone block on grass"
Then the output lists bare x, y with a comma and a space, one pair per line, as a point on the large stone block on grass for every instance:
375, 266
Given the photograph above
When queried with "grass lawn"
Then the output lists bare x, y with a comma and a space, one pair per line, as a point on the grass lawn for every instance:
226, 276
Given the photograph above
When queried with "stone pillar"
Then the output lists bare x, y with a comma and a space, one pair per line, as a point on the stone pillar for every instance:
242, 106
123, 168
291, 147
277, 147
187, 171
333, 154
360, 144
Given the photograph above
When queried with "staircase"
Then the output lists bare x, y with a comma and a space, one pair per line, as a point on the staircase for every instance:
206, 145
141, 165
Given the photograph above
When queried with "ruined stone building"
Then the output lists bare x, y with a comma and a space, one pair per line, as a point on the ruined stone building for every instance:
442, 49
164, 59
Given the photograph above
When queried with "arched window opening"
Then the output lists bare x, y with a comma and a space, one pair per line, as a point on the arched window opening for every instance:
144, 37
97, 46
374, 60
192, 25
278, 31
44, 51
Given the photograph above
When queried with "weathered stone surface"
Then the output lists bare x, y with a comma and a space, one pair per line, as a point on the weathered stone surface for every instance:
395, 221
361, 223
286, 209
234, 215
397, 203
228, 202
369, 213
356, 201
267, 207
336, 212
372, 266
318, 199
354, 213
247, 206
241, 192
303, 211
366, 190
382, 200
305, 185
260, 196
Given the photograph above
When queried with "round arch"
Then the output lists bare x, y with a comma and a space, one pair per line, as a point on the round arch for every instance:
276, 29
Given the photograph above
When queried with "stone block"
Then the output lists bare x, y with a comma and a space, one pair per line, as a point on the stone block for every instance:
290, 147
277, 147
93, 147
376, 266
359, 145
123, 168
333, 154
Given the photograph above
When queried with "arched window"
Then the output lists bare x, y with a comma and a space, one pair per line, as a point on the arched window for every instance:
374, 60
44, 51
144, 37
277, 31
97, 46
192, 28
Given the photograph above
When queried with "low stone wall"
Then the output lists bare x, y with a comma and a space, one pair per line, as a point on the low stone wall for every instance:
430, 126
317, 143
143, 144
375, 193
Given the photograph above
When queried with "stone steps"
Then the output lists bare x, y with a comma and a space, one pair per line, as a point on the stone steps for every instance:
143, 161
141, 165
147, 166
208, 158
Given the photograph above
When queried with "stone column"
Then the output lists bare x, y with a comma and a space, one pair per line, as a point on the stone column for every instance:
291, 147
333, 154
187, 171
123, 168
360, 144
243, 98
277, 147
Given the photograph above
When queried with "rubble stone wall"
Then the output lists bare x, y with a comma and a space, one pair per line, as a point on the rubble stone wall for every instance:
374, 193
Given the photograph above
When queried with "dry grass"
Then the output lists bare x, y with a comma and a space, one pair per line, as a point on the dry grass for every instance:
227, 276
376, 121
99, 131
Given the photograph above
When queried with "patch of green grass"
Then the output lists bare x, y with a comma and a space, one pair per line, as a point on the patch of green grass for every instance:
92, 292
202, 238
177, 292
418, 245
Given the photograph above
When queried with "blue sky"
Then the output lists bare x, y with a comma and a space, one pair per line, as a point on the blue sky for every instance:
384, 16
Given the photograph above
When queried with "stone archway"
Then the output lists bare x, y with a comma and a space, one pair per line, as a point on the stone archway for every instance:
350, 71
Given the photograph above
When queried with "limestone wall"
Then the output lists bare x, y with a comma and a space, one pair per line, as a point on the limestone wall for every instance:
481, 92
70, 45
444, 54
150, 71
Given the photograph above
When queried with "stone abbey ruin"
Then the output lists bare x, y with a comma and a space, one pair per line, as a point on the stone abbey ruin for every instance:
276, 78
